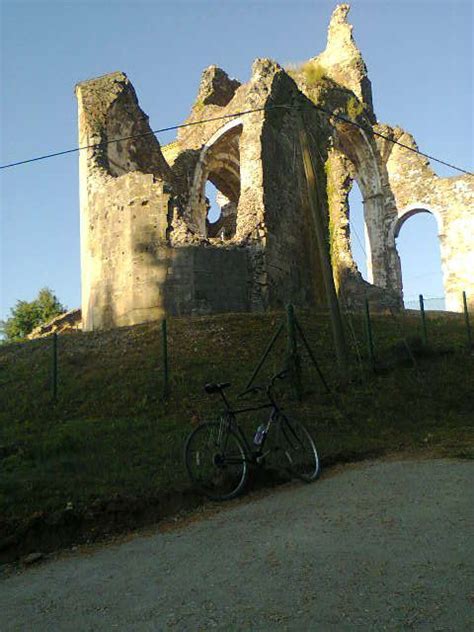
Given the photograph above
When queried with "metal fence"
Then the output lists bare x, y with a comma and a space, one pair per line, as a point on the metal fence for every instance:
56, 362
437, 304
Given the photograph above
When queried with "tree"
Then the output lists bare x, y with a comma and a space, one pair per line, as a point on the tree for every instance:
25, 316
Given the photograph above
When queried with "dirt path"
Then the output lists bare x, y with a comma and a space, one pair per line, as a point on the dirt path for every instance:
379, 546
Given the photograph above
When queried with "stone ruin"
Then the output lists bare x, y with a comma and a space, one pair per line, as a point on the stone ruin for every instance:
147, 245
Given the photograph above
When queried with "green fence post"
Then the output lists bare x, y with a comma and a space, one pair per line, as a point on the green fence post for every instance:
54, 374
466, 318
312, 356
370, 339
165, 359
423, 320
265, 354
293, 359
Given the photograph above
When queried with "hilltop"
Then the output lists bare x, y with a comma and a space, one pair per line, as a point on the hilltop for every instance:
107, 456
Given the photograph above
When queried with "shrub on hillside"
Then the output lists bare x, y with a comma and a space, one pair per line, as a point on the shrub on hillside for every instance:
25, 316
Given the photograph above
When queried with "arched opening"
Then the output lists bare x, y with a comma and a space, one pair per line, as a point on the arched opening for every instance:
221, 215
360, 247
214, 209
368, 202
217, 184
418, 247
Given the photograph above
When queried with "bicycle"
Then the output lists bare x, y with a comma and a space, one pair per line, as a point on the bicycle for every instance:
218, 455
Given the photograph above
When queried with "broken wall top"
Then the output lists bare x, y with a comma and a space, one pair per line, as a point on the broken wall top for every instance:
111, 119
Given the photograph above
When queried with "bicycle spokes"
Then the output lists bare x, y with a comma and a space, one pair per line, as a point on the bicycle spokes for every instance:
299, 449
215, 459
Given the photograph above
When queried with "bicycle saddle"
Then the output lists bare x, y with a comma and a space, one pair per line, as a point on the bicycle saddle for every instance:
215, 388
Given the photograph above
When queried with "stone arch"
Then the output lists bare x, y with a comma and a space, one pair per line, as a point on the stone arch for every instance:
353, 142
408, 212
362, 153
219, 162
358, 242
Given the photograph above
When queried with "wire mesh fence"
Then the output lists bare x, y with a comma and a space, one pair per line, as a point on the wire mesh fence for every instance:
137, 367
105, 426
436, 304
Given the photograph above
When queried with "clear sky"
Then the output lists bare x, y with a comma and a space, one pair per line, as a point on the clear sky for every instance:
419, 55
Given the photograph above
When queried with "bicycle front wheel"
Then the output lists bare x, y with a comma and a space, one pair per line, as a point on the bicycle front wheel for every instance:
299, 450
215, 460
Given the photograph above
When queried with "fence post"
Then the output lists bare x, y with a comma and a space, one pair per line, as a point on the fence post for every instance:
312, 356
466, 318
370, 340
165, 359
54, 373
423, 320
293, 359
265, 354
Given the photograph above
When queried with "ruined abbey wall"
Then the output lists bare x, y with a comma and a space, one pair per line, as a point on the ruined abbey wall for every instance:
148, 247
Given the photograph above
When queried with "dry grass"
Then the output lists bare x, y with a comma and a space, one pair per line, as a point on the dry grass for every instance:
312, 72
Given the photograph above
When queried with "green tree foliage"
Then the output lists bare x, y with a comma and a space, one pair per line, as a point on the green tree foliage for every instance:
25, 316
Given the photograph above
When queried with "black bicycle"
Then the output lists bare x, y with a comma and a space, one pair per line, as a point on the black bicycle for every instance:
218, 455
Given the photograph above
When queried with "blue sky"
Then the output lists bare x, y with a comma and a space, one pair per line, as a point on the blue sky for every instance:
419, 56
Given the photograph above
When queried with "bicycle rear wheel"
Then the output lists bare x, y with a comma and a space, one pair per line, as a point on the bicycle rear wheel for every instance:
215, 460
300, 455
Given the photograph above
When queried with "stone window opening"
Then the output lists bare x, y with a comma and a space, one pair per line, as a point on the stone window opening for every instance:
418, 246
221, 217
359, 240
213, 208
366, 199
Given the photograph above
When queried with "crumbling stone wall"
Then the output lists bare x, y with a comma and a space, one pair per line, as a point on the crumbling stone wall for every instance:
65, 323
148, 247
416, 189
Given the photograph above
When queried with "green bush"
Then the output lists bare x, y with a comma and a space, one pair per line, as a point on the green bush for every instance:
25, 316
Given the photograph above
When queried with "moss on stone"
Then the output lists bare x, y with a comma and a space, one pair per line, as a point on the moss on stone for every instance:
354, 108
198, 106
313, 73
333, 194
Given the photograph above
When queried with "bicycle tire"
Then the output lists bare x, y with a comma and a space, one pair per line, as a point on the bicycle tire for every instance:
301, 455
216, 462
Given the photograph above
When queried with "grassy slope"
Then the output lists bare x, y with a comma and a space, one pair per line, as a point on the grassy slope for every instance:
110, 433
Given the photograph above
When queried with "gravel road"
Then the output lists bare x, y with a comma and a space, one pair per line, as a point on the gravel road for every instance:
376, 546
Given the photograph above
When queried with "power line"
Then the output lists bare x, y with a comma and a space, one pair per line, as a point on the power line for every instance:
352, 227
150, 133
228, 116
391, 140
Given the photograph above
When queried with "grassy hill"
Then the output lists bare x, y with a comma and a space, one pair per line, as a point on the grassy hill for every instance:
108, 454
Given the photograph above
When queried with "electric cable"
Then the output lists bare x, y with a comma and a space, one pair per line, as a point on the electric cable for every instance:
391, 140
227, 116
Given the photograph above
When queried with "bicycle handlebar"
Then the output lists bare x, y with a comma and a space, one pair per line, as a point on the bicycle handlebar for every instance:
254, 389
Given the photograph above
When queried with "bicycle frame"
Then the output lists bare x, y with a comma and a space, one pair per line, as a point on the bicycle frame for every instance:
229, 417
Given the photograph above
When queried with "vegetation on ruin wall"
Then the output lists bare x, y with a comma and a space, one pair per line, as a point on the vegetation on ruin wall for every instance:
198, 105
111, 434
310, 72
325, 92
332, 201
354, 108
